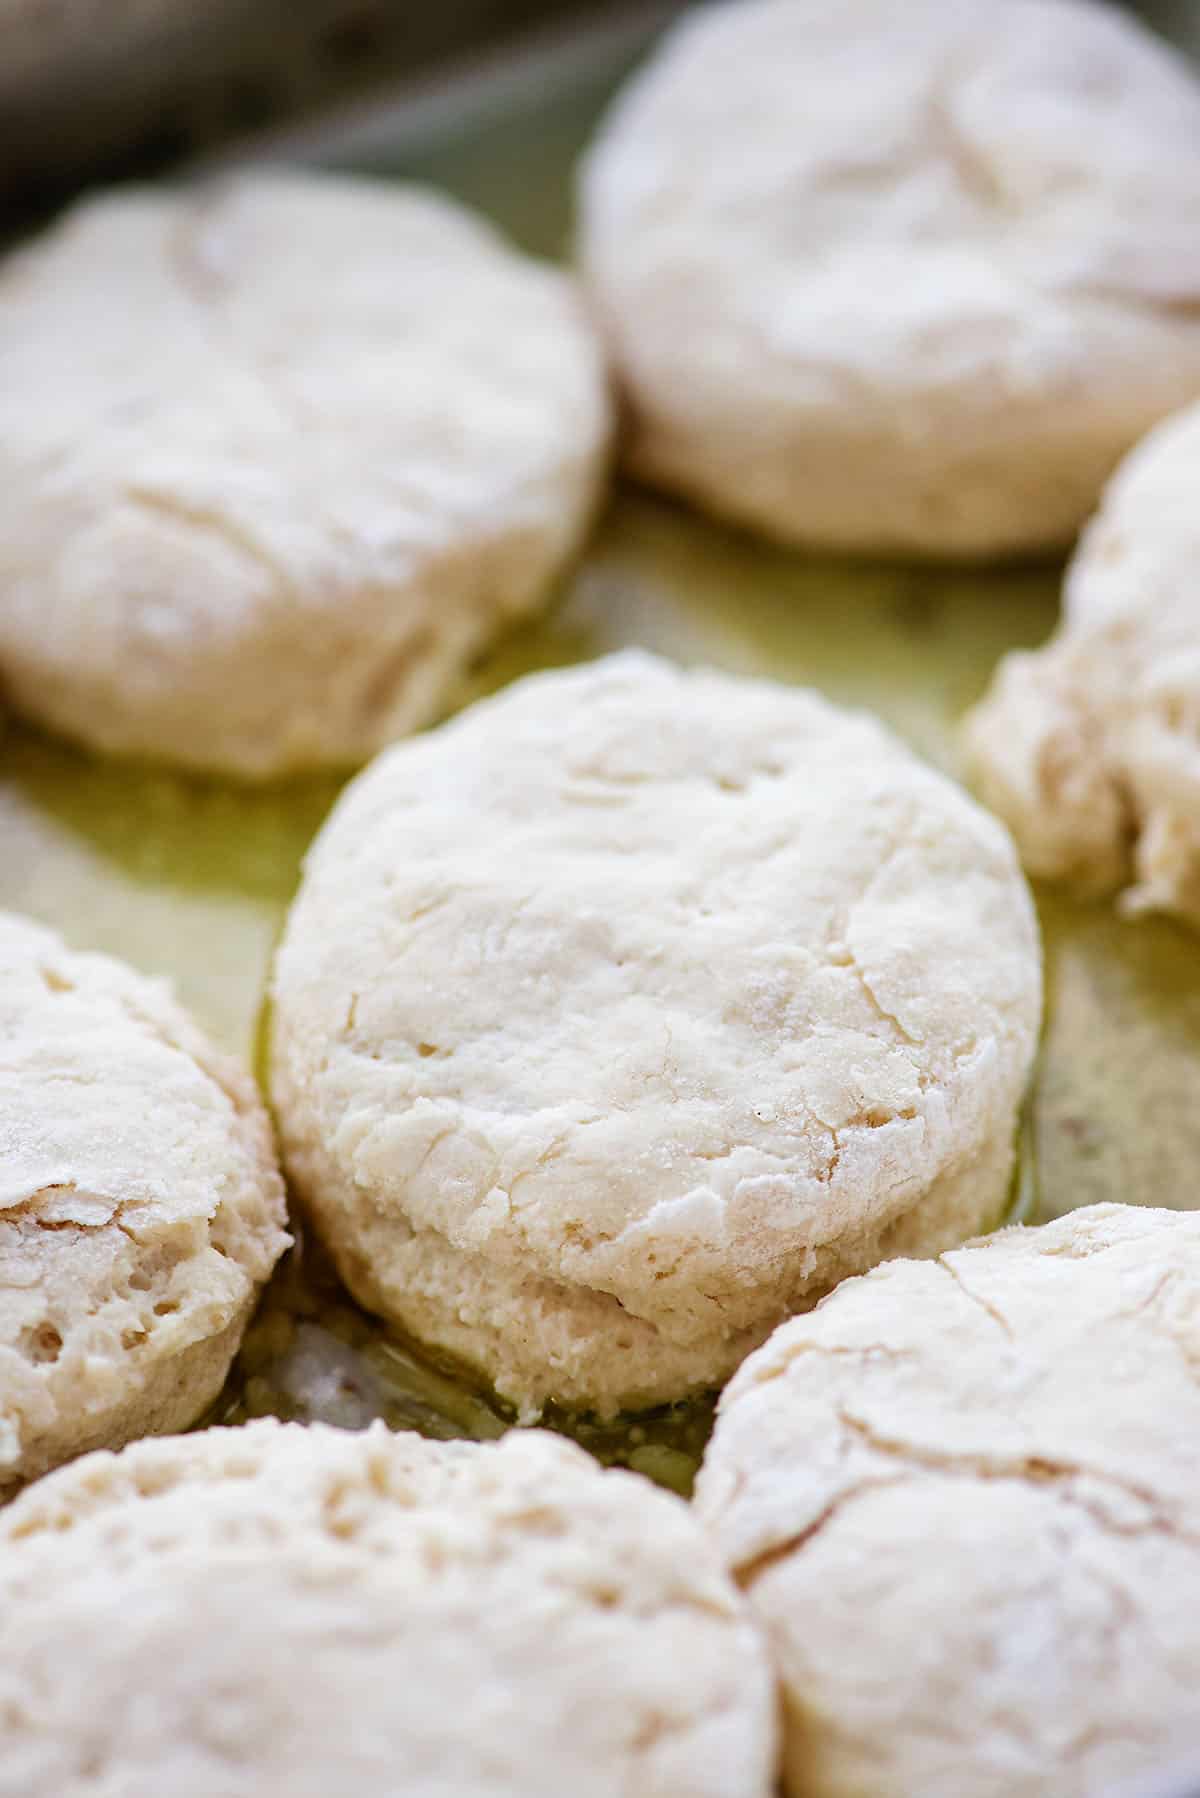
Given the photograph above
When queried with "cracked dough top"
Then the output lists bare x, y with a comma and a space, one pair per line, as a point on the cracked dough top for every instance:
905, 277
643, 1004
992, 1457
277, 457
1090, 747
283, 1610
140, 1205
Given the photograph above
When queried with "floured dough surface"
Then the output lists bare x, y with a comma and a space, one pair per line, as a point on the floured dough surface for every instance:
278, 457
1090, 747
140, 1206
899, 278
627, 1012
962, 1498
279, 1610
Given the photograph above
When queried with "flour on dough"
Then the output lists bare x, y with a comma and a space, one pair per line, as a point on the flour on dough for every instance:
286, 1610
961, 1496
624, 1015
1090, 747
141, 1207
279, 457
903, 278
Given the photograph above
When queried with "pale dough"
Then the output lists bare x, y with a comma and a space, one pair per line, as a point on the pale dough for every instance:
289, 1612
141, 1206
962, 1497
278, 457
903, 277
625, 1014
1090, 747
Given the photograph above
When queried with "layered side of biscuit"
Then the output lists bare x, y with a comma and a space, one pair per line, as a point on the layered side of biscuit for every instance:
623, 1016
141, 1212
1090, 747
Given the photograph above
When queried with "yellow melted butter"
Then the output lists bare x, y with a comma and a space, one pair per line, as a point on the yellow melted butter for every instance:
191, 879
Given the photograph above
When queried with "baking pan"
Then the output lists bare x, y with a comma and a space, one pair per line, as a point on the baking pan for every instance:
190, 878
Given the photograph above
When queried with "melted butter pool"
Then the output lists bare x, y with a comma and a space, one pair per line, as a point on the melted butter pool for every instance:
191, 879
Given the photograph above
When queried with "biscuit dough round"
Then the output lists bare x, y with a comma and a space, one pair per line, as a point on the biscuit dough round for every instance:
289, 1612
1090, 747
900, 278
278, 457
628, 1012
991, 1459
140, 1206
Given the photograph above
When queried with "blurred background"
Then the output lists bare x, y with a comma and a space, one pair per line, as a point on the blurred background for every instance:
94, 90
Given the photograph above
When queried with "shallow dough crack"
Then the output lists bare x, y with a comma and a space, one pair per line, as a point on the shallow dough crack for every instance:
885, 1016
1032, 1468
747, 1572
840, 945
916, 1458
241, 541
208, 289
993, 1311
975, 170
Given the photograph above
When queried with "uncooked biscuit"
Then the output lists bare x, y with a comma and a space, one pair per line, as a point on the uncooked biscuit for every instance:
1090, 747
278, 457
282, 1612
962, 1498
899, 277
628, 1012
140, 1210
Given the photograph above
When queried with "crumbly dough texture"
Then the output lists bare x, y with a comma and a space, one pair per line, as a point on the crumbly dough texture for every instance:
1090, 747
288, 1612
899, 277
628, 1012
140, 1206
962, 1498
278, 457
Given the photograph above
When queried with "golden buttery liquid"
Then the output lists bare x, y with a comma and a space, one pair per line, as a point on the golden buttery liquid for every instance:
191, 879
